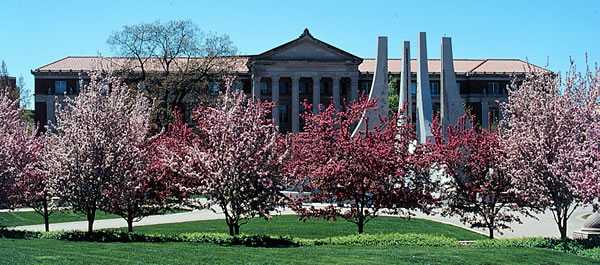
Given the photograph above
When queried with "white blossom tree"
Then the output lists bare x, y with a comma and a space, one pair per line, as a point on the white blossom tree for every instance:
234, 162
94, 155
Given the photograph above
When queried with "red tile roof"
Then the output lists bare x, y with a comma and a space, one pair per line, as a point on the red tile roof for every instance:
461, 66
87, 63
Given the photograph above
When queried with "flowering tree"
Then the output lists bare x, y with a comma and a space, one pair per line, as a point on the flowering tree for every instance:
93, 155
359, 176
34, 193
234, 164
544, 134
155, 186
584, 90
476, 187
19, 149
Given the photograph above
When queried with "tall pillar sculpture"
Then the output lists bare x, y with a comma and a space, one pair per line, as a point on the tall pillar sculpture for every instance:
405, 93
424, 108
379, 89
451, 104
295, 105
275, 98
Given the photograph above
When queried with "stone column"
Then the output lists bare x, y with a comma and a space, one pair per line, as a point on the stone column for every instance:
275, 99
485, 110
353, 88
295, 105
316, 94
336, 92
424, 107
50, 115
256, 86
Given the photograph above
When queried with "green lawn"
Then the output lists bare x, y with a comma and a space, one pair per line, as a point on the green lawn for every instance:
289, 225
47, 251
11, 219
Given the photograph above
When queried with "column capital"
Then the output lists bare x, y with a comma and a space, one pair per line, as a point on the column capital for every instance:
295, 78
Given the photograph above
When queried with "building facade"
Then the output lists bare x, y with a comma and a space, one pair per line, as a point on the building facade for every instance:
307, 69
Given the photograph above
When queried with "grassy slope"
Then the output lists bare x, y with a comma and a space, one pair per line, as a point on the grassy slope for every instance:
32, 218
289, 225
11, 219
55, 251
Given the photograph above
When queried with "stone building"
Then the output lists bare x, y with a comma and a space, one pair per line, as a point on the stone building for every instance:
309, 69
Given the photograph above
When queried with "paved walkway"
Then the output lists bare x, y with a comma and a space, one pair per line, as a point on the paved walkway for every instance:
544, 227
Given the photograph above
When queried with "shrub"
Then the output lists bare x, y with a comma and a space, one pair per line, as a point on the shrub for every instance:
574, 246
17, 234
395, 239
591, 253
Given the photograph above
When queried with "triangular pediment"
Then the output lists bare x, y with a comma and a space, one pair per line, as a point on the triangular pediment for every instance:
306, 48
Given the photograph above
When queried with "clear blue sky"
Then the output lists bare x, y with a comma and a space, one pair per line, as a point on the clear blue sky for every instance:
34, 33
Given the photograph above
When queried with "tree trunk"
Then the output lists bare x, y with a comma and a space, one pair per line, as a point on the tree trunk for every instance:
46, 216
90, 217
361, 225
491, 229
129, 224
563, 227
230, 229
237, 229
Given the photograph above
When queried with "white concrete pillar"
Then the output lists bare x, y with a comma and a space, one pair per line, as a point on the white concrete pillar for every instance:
424, 107
451, 106
485, 110
256, 86
295, 105
336, 92
405, 93
275, 99
379, 89
316, 94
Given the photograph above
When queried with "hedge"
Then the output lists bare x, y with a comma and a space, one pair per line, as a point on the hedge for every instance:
586, 248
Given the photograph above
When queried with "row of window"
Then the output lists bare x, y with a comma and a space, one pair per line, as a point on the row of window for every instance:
60, 87
434, 87
284, 88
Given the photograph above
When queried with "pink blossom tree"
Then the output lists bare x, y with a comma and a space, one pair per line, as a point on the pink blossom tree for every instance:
94, 155
19, 149
476, 188
583, 89
234, 163
34, 193
154, 187
22, 184
361, 176
544, 133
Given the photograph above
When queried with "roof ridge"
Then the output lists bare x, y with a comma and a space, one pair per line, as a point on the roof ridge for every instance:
478, 65
51, 63
527, 62
437, 59
504, 59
